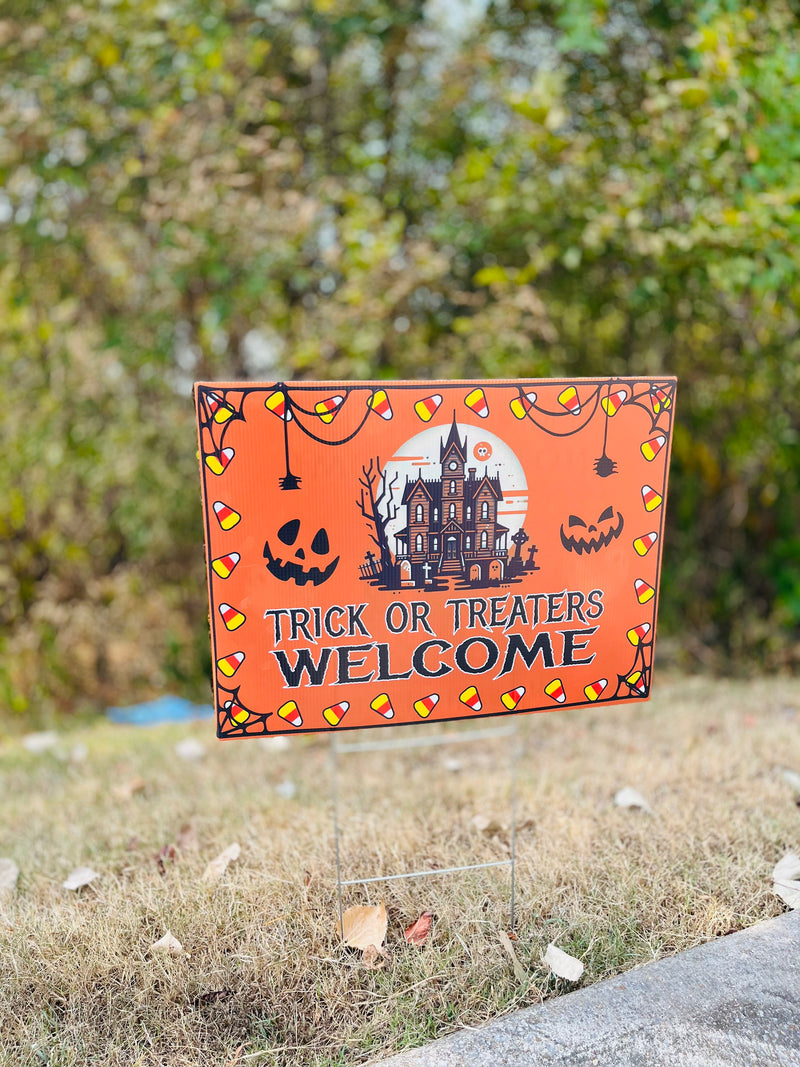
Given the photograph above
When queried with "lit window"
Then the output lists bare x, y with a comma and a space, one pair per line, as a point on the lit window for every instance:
485, 509
484, 543
452, 488
420, 513
419, 543
469, 541
452, 513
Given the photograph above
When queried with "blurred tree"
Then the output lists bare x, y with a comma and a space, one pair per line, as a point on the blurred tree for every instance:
373, 189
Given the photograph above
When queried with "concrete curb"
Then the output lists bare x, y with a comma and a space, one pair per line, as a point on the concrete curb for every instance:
734, 1001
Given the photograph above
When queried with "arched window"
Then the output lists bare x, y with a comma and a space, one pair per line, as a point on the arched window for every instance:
452, 512
469, 512
469, 541
436, 544
435, 514
420, 516
485, 509
484, 542
419, 543
453, 487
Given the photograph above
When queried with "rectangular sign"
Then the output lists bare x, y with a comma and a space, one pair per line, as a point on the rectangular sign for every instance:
382, 553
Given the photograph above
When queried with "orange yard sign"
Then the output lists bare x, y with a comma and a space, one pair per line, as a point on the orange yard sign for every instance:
383, 553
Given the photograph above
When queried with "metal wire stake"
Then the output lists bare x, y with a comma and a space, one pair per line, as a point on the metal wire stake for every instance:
335, 797
514, 768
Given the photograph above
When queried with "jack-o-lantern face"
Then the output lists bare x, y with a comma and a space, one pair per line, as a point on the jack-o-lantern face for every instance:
294, 567
606, 529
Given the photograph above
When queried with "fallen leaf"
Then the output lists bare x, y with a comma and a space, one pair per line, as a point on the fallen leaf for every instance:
187, 839
190, 749
41, 741
286, 789
9, 873
519, 971
80, 877
786, 879
374, 958
125, 790
562, 964
169, 944
791, 777
217, 867
486, 825
417, 933
364, 925
630, 798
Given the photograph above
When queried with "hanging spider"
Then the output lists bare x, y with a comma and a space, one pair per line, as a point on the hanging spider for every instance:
604, 465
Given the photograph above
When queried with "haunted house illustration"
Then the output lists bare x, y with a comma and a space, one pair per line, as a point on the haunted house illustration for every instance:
452, 529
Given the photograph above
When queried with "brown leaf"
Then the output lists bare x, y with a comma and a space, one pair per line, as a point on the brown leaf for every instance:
417, 933
187, 839
487, 825
125, 790
215, 870
165, 855
364, 925
519, 971
374, 958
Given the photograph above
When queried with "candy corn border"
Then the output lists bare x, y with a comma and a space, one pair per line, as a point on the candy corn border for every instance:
220, 406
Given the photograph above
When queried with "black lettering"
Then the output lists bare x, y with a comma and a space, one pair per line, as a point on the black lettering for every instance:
418, 659
456, 612
276, 622
304, 663
571, 645
300, 618
354, 621
477, 610
574, 605
419, 614
595, 598
518, 611
339, 631
398, 604
492, 654
552, 608
536, 597
516, 646
497, 603
384, 668
346, 664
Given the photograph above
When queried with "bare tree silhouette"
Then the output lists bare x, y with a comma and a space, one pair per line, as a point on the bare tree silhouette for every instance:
377, 493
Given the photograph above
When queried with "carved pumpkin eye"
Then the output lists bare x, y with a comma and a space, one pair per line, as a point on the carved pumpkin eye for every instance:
576, 520
320, 544
289, 531
607, 514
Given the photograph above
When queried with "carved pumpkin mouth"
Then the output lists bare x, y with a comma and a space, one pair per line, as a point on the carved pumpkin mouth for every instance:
288, 570
600, 538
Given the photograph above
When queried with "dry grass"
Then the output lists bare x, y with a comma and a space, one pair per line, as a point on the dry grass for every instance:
264, 980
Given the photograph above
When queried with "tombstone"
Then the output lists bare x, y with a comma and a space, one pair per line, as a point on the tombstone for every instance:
495, 570
405, 573
475, 573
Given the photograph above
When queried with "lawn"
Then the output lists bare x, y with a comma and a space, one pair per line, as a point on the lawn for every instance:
263, 978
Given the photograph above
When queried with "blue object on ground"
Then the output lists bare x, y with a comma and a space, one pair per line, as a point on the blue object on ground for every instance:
168, 708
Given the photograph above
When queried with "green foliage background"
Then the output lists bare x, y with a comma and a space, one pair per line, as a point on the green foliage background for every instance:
366, 188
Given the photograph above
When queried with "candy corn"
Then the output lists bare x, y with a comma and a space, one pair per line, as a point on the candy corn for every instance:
636, 682
237, 712
224, 566
659, 399
476, 401
379, 402
217, 462
651, 448
594, 689
644, 592
612, 404
226, 516
276, 403
643, 544
383, 706
555, 690
569, 400
334, 714
638, 633
521, 405
471, 698
229, 665
232, 617
290, 712
328, 409
513, 697
428, 407
650, 498
426, 705
218, 408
